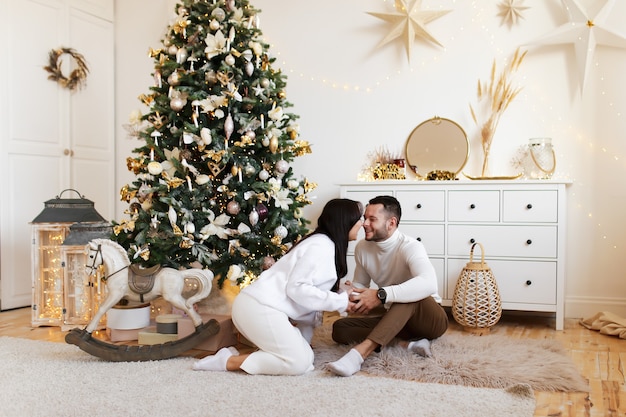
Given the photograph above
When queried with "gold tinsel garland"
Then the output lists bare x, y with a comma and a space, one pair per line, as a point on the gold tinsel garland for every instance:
78, 76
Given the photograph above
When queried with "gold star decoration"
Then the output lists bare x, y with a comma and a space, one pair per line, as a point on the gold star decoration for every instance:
585, 32
409, 22
511, 11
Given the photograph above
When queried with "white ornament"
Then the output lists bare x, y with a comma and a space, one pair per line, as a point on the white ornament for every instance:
281, 231
202, 179
229, 60
229, 126
190, 228
282, 166
264, 175
155, 168
253, 217
205, 134
249, 68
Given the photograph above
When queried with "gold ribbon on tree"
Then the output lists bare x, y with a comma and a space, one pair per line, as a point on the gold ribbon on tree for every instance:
77, 78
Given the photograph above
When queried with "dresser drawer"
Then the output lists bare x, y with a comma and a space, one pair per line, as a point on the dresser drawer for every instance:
422, 205
530, 206
474, 206
510, 241
518, 282
432, 236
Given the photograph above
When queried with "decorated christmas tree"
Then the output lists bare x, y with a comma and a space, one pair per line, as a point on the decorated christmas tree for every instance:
214, 184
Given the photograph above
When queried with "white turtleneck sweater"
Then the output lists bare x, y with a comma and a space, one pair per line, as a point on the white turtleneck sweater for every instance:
400, 265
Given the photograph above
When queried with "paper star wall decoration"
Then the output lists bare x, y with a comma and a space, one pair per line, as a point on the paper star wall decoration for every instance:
511, 11
585, 33
409, 22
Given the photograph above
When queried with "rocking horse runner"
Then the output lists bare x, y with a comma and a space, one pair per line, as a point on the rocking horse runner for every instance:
123, 283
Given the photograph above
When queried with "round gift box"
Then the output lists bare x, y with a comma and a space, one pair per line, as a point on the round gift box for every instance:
167, 323
129, 317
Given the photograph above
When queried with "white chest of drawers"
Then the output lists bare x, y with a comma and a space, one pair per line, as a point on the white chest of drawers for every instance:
521, 225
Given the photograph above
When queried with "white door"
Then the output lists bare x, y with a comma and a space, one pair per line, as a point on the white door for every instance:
50, 138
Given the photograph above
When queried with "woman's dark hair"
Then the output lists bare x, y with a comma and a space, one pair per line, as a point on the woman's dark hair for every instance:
338, 217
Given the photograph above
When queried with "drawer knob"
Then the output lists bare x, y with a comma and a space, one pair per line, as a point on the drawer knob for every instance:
529, 282
529, 206
419, 206
472, 240
529, 242
419, 239
472, 206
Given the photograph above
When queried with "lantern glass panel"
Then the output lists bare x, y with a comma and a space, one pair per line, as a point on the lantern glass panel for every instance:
83, 292
48, 274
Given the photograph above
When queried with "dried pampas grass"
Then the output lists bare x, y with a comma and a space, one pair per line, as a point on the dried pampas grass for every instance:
494, 98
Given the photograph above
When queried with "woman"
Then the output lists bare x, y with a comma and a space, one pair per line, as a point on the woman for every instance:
279, 310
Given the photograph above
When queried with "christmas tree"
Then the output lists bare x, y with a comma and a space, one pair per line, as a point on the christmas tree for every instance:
214, 184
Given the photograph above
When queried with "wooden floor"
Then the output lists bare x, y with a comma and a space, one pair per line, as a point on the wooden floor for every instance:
598, 357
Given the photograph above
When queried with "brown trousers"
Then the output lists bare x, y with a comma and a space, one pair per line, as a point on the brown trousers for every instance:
424, 319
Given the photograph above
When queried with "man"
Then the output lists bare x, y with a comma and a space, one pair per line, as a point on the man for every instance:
407, 288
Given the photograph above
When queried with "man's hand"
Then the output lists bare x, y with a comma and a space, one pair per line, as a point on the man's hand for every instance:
365, 299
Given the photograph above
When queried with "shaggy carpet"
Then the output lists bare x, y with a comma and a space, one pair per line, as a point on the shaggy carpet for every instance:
55, 379
488, 361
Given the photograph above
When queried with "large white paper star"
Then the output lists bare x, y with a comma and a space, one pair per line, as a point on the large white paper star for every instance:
409, 22
584, 32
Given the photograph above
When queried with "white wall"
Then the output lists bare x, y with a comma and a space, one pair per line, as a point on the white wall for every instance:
353, 96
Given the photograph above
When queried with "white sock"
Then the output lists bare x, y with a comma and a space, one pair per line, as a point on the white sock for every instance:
348, 365
421, 347
215, 362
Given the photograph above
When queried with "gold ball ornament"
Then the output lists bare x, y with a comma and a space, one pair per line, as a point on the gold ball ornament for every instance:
273, 144
282, 94
172, 50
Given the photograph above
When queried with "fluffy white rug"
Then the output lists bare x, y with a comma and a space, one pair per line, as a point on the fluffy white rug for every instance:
56, 379
489, 361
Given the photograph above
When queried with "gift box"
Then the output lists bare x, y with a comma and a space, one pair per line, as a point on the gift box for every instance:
122, 335
168, 323
150, 336
128, 317
224, 338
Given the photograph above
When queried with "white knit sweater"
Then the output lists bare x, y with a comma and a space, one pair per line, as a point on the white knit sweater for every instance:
299, 283
400, 265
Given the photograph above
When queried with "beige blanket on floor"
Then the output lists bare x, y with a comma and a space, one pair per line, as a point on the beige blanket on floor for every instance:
607, 323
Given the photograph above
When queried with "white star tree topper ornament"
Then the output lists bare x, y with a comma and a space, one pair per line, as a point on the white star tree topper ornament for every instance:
409, 22
511, 11
585, 33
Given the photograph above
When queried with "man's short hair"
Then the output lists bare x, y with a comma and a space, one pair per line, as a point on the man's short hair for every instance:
391, 205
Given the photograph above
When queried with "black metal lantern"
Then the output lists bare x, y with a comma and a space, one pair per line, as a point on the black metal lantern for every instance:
50, 228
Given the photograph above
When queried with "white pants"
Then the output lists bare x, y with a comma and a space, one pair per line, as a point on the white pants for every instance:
282, 349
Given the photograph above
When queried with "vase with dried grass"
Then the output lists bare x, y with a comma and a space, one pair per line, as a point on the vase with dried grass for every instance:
494, 97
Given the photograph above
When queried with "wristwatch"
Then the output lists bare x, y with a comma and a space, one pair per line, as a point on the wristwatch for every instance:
382, 295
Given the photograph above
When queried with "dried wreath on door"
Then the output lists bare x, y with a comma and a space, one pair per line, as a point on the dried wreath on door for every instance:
77, 77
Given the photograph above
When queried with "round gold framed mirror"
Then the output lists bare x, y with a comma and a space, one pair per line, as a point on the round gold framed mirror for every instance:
438, 146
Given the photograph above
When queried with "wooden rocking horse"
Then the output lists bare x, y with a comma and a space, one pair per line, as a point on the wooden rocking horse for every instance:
122, 282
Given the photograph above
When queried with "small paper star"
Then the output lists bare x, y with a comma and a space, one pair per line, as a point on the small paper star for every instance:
511, 11
585, 33
409, 22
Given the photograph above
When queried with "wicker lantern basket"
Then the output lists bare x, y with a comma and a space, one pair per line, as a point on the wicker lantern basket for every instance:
476, 303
